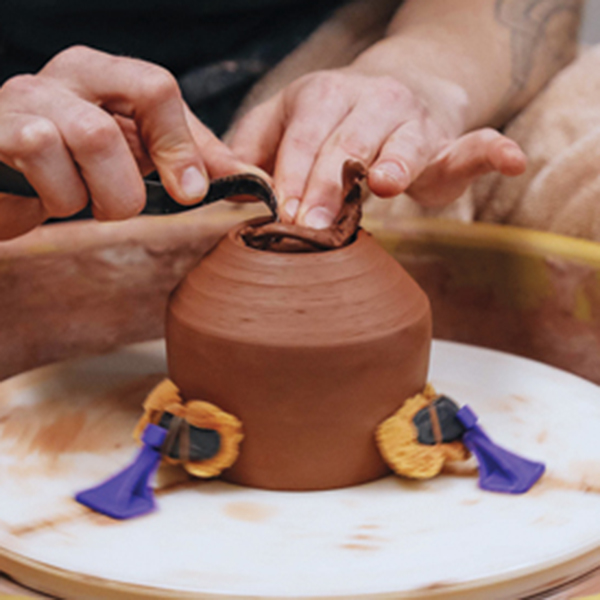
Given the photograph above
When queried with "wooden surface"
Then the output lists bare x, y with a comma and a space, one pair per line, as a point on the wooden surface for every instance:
12, 589
585, 586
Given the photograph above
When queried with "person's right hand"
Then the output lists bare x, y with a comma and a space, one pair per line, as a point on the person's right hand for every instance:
88, 126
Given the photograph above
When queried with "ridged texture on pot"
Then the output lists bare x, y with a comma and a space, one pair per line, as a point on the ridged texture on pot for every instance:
310, 351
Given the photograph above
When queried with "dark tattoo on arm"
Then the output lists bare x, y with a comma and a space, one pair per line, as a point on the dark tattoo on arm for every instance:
528, 21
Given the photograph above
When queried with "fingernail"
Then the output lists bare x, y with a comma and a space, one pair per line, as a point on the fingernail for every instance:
318, 218
291, 207
193, 183
393, 171
512, 153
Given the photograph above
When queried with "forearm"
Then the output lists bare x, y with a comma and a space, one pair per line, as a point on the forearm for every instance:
475, 62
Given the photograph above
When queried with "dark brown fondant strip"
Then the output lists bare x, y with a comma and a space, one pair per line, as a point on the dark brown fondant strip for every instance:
245, 184
184, 442
172, 434
435, 424
282, 237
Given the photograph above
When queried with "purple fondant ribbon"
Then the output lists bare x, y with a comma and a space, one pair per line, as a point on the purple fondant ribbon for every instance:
128, 493
499, 469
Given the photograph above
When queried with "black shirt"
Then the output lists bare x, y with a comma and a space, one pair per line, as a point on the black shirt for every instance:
197, 40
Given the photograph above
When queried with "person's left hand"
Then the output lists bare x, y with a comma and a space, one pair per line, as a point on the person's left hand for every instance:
304, 134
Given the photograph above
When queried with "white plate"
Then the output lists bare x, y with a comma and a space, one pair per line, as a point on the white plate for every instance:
66, 427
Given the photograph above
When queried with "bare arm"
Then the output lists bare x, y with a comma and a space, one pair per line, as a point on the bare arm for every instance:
480, 60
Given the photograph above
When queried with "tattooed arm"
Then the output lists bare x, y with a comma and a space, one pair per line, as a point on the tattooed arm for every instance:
496, 54
417, 108
543, 38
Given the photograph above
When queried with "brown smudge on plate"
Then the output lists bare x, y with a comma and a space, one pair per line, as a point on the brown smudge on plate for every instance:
504, 404
78, 512
551, 520
366, 537
58, 425
24, 529
360, 547
251, 512
349, 502
470, 501
521, 399
549, 482
588, 471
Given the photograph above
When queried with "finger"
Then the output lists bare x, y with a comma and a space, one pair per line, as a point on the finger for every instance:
359, 136
220, 160
94, 142
151, 96
135, 143
471, 156
256, 137
19, 215
105, 161
34, 146
309, 128
403, 157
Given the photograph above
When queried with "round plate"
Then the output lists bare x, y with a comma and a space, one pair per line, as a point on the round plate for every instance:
66, 427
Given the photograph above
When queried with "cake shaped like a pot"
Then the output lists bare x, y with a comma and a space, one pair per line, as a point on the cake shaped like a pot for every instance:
311, 351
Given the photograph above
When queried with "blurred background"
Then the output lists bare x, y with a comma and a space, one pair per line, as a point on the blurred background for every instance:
590, 31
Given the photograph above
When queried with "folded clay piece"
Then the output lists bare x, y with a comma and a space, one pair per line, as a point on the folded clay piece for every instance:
311, 350
281, 237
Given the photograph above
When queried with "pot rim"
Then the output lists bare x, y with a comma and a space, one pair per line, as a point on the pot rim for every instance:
234, 235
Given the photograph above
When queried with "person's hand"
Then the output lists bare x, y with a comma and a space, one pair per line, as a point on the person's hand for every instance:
304, 134
88, 126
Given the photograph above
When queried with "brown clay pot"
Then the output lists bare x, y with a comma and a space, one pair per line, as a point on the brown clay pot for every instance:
310, 350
